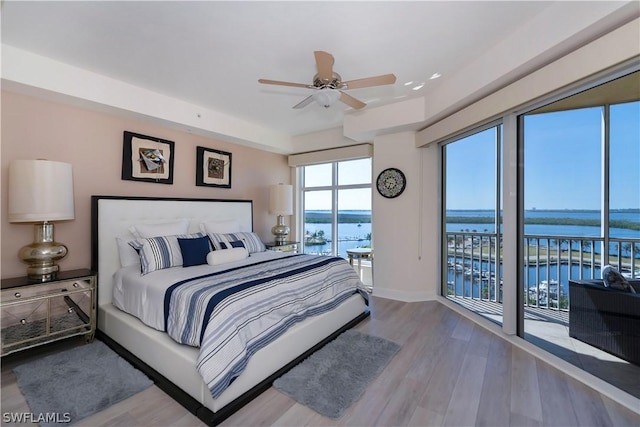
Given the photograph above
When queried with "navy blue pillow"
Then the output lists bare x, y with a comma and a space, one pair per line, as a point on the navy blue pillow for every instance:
237, 244
194, 251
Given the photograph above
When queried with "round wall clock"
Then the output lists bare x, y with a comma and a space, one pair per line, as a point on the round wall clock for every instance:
391, 183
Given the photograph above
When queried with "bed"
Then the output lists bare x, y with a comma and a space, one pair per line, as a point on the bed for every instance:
173, 365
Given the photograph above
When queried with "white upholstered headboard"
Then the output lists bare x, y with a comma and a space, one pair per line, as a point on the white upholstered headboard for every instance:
111, 217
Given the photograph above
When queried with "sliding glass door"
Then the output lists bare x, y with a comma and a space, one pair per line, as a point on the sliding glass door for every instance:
571, 172
471, 186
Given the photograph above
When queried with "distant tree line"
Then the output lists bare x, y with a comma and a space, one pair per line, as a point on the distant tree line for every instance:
631, 225
325, 218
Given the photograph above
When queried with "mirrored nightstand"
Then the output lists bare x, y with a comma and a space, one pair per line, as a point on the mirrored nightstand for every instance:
288, 246
38, 313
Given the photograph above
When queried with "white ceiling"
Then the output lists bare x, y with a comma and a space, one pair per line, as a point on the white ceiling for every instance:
211, 54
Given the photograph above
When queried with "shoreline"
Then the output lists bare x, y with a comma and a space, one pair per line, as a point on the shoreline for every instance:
624, 224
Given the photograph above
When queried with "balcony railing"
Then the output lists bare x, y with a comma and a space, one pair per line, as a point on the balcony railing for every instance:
474, 265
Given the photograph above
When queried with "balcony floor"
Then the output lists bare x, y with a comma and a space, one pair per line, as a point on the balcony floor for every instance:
549, 330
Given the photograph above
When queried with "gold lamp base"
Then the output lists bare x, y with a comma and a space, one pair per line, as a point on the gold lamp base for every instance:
41, 256
280, 231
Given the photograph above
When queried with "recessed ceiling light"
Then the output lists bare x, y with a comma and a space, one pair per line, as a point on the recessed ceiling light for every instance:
434, 76
408, 83
418, 87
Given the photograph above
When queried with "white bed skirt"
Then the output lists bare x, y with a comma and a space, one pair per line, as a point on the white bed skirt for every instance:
177, 362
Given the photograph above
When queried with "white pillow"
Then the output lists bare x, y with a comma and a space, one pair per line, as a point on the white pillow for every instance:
226, 255
145, 231
128, 255
229, 226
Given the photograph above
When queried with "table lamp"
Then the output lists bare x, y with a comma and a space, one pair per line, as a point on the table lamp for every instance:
41, 191
281, 203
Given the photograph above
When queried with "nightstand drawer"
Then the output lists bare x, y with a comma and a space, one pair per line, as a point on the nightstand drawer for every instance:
282, 247
70, 311
23, 322
26, 292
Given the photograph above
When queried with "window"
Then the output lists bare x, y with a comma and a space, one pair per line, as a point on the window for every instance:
562, 202
471, 212
571, 171
581, 194
624, 173
336, 205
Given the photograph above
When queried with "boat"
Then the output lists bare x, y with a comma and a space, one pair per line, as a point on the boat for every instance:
544, 290
549, 286
629, 275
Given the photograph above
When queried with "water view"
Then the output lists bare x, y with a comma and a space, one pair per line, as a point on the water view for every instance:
354, 231
622, 222
561, 244
572, 236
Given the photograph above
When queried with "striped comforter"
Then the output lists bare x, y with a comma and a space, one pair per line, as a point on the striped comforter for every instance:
233, 313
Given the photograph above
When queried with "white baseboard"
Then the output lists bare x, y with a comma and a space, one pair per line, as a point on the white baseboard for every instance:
404, 296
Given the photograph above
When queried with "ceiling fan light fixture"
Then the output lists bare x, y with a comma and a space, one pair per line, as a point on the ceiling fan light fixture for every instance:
329, 87
326, 97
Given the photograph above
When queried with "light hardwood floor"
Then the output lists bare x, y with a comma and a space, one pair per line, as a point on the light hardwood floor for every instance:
449, 371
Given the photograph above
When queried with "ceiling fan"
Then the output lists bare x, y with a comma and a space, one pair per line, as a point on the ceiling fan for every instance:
329, 87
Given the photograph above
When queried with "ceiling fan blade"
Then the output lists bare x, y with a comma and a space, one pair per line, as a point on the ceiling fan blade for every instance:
385, 79
351, 101
304, 102
279, 83
324, 62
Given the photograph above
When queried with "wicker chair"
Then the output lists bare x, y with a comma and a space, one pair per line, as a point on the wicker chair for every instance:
606, 318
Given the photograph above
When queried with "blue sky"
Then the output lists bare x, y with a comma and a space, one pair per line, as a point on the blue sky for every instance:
562, 165
562, 162
349, 173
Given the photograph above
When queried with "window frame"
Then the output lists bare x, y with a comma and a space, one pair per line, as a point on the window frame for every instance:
513, 178
335, 188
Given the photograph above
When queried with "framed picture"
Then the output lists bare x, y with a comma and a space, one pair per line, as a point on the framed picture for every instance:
145, 158
213, 168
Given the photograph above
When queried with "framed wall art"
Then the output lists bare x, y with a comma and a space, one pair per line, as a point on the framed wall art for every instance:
213, 168
146, 158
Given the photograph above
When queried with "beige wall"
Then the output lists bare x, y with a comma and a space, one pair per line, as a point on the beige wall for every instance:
405, 228
92, 142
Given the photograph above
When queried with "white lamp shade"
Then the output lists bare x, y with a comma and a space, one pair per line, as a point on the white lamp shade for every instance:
40, 190
281, 199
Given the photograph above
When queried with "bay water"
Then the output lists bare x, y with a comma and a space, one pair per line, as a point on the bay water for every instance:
357, 234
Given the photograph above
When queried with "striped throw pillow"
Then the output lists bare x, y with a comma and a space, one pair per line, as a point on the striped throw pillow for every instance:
251, 241
157, 253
